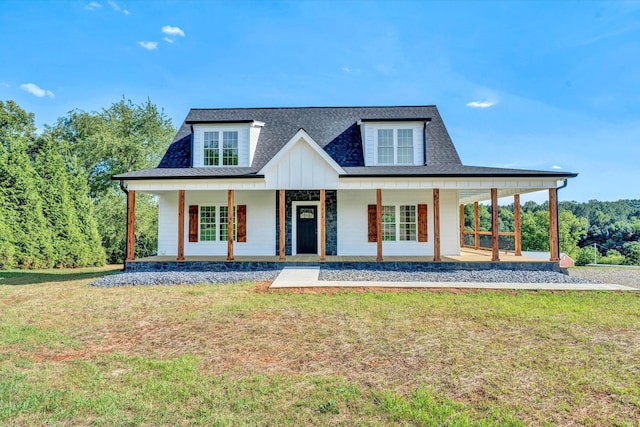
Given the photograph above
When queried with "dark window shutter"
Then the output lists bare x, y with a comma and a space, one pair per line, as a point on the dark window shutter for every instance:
193, 223
373, 234
241, 221
423, 229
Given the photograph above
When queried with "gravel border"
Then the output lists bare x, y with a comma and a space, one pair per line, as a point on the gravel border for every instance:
482, 276
169, 278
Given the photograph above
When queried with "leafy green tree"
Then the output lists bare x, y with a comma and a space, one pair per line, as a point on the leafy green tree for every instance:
613, 257
584, 256
571, 230
632, 253
122, 138
535, 230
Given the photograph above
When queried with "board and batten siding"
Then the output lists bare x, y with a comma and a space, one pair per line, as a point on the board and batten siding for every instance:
244, 147
261, 221
370, 130
301, 168
353, 224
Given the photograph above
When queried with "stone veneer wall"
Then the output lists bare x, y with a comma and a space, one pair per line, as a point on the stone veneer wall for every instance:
384, 266
331, 217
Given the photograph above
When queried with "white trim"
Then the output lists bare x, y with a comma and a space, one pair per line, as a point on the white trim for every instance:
470, 188
304, 136
294, 225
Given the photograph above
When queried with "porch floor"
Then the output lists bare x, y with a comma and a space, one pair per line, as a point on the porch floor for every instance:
466, 255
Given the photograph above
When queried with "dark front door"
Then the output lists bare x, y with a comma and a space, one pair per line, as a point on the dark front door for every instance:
306, 230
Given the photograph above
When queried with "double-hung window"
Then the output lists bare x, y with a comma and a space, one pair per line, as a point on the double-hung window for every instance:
214, 223
399, 223
217, 154
395, 147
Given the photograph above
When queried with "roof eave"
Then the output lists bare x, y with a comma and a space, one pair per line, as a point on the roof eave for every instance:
164, 177
457, 175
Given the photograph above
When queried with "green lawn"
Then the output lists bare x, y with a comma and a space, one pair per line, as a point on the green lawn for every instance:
239, 355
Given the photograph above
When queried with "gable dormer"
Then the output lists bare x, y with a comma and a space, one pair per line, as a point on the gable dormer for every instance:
225, 144
393, 142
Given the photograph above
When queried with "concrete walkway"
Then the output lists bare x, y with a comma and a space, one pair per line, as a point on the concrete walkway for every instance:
307, 277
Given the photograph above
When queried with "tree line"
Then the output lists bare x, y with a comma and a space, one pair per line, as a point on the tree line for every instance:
58, 205
614, 228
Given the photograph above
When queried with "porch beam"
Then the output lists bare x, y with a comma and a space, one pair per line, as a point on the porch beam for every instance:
379, 224
323, 243
131, 223
517, 224
461, 225
180, 225
553, 225
436, 225
476, 224
281, 207
495, 240
230, 221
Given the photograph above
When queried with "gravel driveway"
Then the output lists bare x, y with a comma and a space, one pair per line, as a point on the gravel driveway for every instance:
628, 276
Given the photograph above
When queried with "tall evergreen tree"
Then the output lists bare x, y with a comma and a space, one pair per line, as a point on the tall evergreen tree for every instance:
20, 189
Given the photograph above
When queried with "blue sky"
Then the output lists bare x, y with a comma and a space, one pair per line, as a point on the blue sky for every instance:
534, 85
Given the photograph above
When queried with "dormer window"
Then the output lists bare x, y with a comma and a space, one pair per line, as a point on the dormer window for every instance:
395, 147
214, 152
225, 144
393, 142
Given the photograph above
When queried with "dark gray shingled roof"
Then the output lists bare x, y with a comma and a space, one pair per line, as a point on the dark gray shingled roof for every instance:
335, 129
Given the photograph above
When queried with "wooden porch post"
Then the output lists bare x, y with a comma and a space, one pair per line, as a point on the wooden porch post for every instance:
476, 225
131, 223
281, 212
436, 225
553, 225
230, 225
516, 223
379, 224
495, 241
323, 244
180, 225
461, 226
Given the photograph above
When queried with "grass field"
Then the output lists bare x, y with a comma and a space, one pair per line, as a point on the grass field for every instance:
241, 355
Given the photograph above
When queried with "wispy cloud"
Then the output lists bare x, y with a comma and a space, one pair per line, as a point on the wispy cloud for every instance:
172, 31
556, 167
481, 104
37, 90
93, 6
117, 7
149, 45
346, 69
4, 84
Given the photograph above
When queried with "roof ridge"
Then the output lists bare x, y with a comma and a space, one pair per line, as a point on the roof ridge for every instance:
314, 107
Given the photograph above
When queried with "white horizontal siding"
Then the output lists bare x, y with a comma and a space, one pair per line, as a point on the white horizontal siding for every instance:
261, 222
168, 224
353, 223
254, 135
449, 223
369, 156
